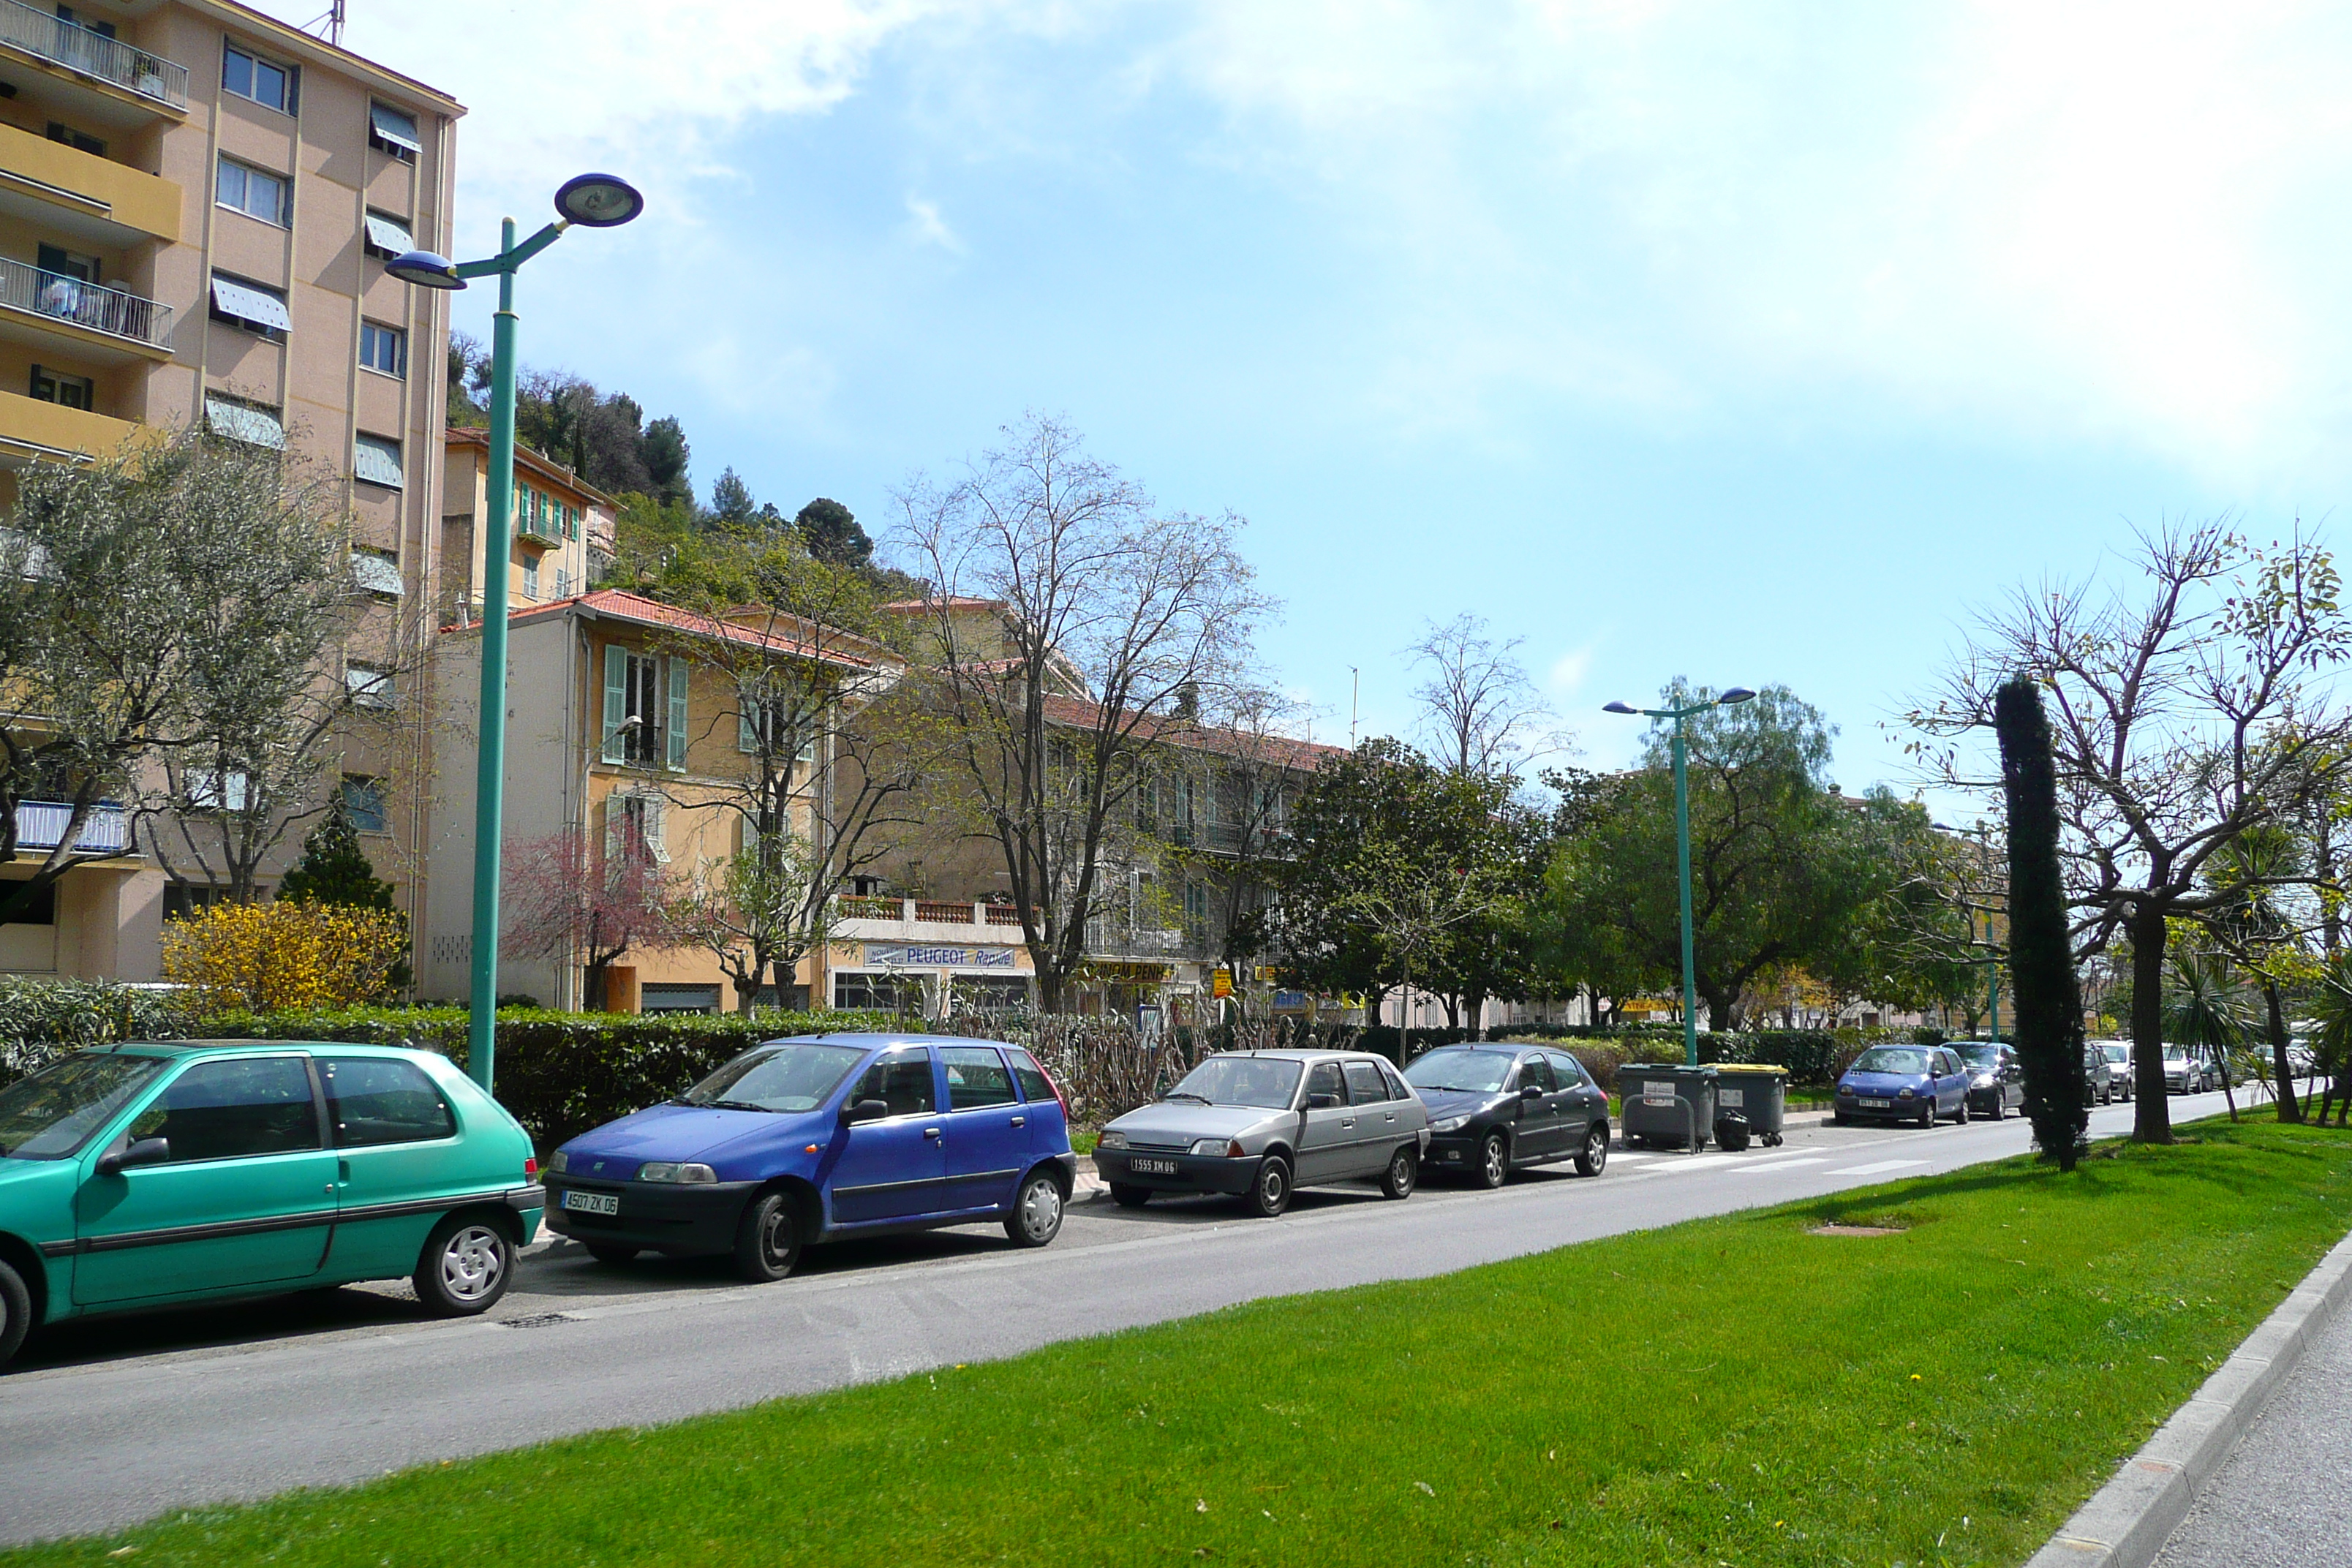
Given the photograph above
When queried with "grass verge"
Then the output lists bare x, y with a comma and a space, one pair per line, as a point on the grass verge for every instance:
1729, 1391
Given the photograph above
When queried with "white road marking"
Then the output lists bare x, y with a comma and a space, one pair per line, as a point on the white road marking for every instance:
1768, 1166
1882, 1165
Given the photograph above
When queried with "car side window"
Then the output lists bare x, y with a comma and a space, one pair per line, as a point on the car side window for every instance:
1323, 1077
976, 1078
1566, 1069
903, 1082
234, 1110
1398, 1088
1365, 1086
1537, 1071
376, 1099
1029, 1076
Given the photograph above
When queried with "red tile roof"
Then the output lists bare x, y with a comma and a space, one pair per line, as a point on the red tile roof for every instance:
635, 609
1282, 751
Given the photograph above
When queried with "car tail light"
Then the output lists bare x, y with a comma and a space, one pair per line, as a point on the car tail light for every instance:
531, 1167
1058, 1095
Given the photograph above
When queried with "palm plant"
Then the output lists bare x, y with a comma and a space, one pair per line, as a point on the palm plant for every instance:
2257, 930
2330, 1012
2205, 1006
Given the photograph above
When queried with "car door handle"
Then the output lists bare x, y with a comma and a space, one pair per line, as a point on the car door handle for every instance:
1019, 1121
930, 1132
1347, 1122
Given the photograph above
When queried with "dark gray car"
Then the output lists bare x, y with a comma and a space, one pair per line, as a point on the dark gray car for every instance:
1257, 1124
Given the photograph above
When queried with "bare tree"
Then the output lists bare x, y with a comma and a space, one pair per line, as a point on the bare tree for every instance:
571, 900
1478, 703
1073, 625
2185, 713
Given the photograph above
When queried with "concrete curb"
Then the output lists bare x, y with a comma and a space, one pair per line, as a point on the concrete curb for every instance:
2131, 1518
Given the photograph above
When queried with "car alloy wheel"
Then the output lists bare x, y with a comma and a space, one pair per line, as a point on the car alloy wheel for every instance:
1963, 1117
1037, 1217
1270, 1195
1494, 1160
1595, 1158
1403, 1172
767, 1239
466, 1267
1928, 1113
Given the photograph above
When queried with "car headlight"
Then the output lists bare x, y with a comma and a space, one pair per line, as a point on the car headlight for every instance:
1228, 1148
559, 1162
1111, 1140
1903, 1093
1984, 1080
1451, 1124
670, 1171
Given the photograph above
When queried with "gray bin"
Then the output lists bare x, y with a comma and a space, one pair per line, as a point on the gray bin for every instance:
1648, 1096
1758, 1096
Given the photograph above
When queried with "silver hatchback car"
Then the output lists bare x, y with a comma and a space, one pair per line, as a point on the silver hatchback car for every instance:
1257, 1124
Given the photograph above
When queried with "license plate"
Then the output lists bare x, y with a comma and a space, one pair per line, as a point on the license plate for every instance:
1878, 1104
593, 1202
1143, 1167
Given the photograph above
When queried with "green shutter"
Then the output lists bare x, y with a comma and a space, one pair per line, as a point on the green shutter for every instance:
616, 702
747, 736
677, 719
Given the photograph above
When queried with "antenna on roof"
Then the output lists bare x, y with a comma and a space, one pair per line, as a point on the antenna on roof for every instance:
330, 25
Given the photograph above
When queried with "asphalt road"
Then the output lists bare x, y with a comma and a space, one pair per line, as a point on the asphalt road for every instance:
111, 1421
2282, 1500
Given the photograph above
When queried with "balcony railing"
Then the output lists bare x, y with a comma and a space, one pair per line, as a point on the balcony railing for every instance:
41, 823
77, 49
23, 287
923, 912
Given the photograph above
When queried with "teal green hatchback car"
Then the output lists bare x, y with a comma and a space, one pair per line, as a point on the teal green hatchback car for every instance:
145, 1176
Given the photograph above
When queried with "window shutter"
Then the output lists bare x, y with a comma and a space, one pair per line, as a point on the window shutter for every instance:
616, 818
677, 720
658, 829
616, 702
747, 735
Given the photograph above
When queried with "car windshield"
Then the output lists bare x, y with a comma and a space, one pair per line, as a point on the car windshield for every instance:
777, 1078
1981, 1055
1267, 1081
52, 1113
1473, 1072
1888, 1058
2117, 1053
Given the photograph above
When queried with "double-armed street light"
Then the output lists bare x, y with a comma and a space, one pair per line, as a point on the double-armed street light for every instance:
1682, 845
591, 201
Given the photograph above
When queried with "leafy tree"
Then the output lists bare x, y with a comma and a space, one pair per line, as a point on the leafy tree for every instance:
664, 454
2263, 931
2049, 1030
2189, 703
833, 534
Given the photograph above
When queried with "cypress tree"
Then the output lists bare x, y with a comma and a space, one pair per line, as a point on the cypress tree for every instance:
334, 870
2049, 1003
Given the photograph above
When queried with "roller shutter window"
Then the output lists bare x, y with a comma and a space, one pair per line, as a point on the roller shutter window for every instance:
394, 130
387, 235
377, 461
242, 421
251, 305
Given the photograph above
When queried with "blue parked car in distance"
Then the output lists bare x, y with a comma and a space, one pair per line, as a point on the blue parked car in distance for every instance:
1903, 1083
810, 1140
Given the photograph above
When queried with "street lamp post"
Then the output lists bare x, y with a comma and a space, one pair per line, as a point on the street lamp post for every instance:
592, 201
1681, 847
1983, 836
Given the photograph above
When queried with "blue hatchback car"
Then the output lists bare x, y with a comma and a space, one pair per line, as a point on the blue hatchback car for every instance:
817, 1138
1903, 1083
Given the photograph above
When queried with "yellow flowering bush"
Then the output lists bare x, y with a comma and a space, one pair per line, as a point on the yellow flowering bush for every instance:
285, 955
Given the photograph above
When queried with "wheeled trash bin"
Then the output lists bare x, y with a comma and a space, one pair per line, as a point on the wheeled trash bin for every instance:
1751, 1102
1671, 1105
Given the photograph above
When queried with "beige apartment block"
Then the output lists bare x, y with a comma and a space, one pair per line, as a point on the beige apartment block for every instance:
564, 529
195, 204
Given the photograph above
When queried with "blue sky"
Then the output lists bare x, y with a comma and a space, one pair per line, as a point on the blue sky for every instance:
1750, 344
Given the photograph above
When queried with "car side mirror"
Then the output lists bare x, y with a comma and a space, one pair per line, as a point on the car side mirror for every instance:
1322, 1102
145, 1152
866, 1110
1531, 1092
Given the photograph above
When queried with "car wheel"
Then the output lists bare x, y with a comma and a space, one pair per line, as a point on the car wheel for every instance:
611, 1256
1595, 1158
2000, 1108
16, 1312
1963, 1117
467, 1265
1270, 1195
1403, 1172
1839, 1118
1131, 1197
1928, 1113
767, 1240
1037, 1217
1494, 1160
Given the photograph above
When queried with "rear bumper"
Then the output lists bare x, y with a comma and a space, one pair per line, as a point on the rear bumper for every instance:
1192, 1173
684, 1220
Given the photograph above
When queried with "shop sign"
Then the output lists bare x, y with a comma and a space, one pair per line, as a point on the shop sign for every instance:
1290, 1001
1221, 983
907, 955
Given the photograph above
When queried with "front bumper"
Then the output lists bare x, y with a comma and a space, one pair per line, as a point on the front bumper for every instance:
1457, 1151
678, 1220
1192, 1173
1850, 1106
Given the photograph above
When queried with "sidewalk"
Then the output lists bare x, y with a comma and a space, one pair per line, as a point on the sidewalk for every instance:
2284, 1499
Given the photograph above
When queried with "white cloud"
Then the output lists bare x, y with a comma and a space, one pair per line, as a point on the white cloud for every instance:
1568, 670
929, 228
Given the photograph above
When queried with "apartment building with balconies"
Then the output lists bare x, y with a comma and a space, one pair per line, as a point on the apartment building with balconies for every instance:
563, 527
196, 204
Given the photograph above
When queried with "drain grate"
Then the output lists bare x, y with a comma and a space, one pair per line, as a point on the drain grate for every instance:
536, 1321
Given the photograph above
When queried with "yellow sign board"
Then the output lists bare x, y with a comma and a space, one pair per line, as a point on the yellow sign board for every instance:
1221, 982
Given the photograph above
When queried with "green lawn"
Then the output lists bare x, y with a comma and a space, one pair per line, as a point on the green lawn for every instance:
1730, 1390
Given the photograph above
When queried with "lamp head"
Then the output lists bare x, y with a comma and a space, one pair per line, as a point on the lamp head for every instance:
598, 201
424, 269
1620, 708
1736, 694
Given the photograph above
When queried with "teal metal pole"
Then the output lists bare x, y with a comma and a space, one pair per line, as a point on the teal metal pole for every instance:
1993, 953
1682, 853
490, 775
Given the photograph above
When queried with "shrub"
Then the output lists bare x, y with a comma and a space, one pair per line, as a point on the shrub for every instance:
40, 1020
288, 954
